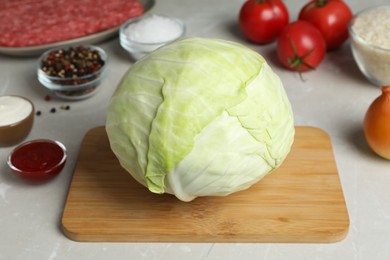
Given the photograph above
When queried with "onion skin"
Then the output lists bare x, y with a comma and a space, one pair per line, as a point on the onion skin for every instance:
377, 124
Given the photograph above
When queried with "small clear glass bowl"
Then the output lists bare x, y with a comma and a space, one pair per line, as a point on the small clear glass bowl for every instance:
373, 61
137, 49
37, 160
73, 88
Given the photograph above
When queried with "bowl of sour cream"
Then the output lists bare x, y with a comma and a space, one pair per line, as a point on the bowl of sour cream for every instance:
16, 119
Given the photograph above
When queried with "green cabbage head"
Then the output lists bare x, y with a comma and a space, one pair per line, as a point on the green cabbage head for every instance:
200, 117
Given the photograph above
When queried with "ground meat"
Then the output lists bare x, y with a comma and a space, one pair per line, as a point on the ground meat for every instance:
35, 22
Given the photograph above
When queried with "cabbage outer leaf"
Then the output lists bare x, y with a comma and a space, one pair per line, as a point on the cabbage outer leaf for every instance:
200, 117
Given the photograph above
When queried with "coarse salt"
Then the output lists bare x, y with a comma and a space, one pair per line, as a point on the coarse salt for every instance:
154, 29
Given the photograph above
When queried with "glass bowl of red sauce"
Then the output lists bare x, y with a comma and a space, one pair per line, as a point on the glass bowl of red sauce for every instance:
37, 160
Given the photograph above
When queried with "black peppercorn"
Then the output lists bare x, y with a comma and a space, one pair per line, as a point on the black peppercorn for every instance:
74, 63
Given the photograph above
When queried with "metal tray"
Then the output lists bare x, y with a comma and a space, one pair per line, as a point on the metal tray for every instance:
89, 39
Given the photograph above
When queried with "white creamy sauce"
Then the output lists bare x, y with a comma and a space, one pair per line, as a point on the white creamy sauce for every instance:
13, 109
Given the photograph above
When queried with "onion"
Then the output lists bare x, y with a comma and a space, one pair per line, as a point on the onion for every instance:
377, 124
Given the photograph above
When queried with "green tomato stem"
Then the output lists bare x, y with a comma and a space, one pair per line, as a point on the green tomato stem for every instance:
297, 61
321, 3
264, 1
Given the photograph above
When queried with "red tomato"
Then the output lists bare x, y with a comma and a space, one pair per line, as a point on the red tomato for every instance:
300, 46
262, 20
331, 17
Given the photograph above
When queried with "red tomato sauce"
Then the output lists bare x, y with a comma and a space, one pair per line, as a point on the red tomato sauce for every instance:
37, 156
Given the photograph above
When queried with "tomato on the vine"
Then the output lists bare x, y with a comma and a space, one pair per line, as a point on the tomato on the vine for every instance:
331, 17
262, 20
300, 46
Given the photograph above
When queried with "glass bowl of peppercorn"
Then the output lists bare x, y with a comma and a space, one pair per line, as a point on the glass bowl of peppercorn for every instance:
73, 72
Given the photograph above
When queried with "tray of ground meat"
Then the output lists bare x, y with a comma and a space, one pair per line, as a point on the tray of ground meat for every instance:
29, 27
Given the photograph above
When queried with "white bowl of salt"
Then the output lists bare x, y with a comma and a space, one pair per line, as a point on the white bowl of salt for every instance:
145, 34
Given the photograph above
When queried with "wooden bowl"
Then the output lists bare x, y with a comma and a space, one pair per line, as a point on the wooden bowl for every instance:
16, 119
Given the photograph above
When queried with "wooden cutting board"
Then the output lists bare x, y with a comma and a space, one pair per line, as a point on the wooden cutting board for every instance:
300, 202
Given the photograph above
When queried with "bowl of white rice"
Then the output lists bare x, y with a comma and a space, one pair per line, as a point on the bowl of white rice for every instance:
370, 43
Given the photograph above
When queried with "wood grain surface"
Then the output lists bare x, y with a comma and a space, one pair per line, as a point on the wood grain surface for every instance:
302, 201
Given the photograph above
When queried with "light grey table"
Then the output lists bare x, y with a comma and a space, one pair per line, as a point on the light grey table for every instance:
334, 97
